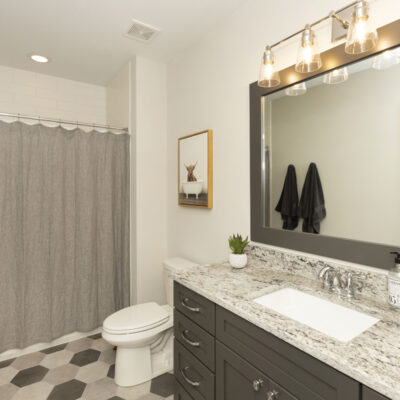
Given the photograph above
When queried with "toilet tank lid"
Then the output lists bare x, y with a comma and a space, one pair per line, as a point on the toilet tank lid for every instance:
136, 318
179, 262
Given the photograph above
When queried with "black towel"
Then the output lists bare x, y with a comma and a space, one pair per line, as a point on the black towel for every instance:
312, 203
289, 202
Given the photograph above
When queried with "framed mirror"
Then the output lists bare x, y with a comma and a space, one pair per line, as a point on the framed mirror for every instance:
325, 157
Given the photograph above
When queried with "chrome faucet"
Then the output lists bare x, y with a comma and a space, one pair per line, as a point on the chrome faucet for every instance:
343, 284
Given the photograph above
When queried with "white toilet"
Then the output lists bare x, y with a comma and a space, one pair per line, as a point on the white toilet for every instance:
143, 336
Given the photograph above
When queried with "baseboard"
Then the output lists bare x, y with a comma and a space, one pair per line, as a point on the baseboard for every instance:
41, 346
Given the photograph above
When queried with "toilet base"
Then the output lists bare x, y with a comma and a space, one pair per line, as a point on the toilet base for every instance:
139, 365
132, 366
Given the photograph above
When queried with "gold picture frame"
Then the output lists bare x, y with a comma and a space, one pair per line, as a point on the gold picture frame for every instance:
195, 170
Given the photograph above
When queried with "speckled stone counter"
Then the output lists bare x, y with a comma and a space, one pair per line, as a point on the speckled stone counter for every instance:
373, 358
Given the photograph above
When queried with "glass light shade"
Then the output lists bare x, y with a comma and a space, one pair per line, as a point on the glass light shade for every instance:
336, 76
269, 75
385, 60
308, 58
296, 90
361, 36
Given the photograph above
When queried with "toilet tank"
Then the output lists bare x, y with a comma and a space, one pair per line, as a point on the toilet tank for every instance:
175, 262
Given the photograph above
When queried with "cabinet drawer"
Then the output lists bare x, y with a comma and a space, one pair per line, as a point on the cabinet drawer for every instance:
181, 393
195, 339
195, 378
369, 394
196, 307
302, 375
238, 380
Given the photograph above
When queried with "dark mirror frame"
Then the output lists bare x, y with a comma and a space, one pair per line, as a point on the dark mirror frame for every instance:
371, 254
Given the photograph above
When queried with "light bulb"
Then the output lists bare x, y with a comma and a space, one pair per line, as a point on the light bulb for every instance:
308, 58
269, 76
296, 90
361, 37
336, 76
385, 60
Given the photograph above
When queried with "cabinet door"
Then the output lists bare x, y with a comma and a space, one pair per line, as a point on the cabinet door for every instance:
369, 394
236, 379
299, 373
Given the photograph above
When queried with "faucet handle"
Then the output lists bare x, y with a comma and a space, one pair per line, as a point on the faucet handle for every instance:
350, 286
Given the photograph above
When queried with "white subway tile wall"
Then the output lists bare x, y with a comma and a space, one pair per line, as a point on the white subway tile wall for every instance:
35, 94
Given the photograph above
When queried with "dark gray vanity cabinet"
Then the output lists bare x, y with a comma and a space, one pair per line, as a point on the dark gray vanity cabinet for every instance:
299, 375
369, 394
194, 345
220, 356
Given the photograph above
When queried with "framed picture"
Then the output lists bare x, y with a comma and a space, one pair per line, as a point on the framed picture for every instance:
195, 169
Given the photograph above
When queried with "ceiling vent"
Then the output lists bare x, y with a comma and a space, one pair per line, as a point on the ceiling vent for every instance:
142, 32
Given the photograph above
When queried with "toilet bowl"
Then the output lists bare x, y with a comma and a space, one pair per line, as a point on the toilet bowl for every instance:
143, 336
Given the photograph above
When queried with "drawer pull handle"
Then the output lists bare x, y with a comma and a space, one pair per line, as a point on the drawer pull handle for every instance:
272, 395
185, 338
257, 384
189, 381
192, 309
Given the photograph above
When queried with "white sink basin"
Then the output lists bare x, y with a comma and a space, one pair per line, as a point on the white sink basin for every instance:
339, 322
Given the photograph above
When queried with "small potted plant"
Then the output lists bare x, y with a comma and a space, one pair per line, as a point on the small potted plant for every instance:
237, 258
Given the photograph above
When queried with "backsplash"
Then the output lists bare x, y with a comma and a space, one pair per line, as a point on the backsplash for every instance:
308, 266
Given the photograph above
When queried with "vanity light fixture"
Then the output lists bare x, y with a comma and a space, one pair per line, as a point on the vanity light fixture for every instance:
296, 90
361, 37
308, 58
385, 60
269, 75
336, 76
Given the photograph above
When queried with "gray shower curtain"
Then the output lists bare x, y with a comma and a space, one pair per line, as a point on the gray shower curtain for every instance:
64, 231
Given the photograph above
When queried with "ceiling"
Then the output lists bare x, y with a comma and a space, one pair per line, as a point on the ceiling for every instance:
84, 38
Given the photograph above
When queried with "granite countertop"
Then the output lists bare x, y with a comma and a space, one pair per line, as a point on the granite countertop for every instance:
372, 358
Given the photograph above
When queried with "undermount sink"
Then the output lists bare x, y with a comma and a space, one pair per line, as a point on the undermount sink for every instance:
339, 322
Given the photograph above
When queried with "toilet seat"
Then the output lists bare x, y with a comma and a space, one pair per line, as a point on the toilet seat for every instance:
134, 319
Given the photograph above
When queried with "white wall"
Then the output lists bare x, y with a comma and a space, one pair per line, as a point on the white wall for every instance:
118, 98
150, 172
208, 86
36, 94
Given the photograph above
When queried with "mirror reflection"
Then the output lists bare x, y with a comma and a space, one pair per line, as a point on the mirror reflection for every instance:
331, 161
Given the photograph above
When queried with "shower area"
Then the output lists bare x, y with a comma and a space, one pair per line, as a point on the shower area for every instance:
64, 228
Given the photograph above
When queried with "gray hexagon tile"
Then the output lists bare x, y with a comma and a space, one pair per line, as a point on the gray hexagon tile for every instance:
80, 370
7, 391
6, 374
39, 390
61, 374
100, 390
28, 360
54, 360
28, 376
79, 345
108, 356
70, 390
93, 372
6, 363
54, 348
101, 345
163, 385
85, 357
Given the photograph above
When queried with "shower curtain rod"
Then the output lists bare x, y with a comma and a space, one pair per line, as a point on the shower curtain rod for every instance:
63, 121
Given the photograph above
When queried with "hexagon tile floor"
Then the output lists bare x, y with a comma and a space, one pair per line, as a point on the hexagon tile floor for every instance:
83, 369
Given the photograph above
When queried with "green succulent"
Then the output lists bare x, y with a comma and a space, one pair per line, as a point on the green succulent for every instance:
237, 244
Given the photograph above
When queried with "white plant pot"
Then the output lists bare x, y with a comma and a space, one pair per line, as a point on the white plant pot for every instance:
238, 260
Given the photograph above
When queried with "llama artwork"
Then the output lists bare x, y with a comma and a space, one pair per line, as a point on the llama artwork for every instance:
190, 174
195, 170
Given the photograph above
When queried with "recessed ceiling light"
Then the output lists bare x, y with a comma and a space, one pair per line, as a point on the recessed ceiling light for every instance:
38, 58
